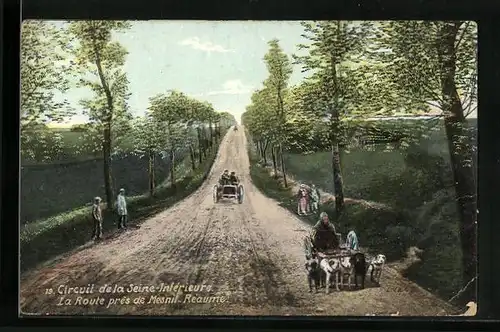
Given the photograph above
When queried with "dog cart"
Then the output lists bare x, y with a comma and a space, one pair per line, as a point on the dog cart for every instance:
333, 249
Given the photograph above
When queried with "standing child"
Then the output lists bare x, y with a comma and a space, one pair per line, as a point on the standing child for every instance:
352, 241
121, 205
97, 219
314, 199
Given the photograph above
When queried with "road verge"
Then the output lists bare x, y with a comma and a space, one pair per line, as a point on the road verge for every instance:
47, 239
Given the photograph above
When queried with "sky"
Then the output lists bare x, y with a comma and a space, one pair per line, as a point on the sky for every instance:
216, 61
220, 62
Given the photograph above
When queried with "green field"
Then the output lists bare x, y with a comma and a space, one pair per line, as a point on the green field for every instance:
359, 169
74, 146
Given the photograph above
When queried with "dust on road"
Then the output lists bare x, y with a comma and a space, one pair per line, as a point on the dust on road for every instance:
251, 253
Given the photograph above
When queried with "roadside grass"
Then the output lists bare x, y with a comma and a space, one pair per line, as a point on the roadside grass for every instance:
373, 221
46, 239
416, 213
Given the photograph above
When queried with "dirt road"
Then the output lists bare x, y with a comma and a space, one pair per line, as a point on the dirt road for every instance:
249, 253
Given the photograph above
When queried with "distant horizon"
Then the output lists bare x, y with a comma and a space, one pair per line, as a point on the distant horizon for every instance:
472, 116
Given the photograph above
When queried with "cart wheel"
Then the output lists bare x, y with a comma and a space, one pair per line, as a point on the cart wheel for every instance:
215, 194
241, 194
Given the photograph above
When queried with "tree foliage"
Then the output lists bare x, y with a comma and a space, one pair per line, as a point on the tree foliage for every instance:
44, 72
44, 75
409, 52
172, 111
276, 86
100, 64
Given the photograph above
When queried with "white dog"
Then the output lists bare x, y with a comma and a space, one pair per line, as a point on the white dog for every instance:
328, 269
346, 268
377, 264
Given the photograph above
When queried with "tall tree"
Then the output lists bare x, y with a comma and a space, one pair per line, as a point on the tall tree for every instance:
194, 112
332, 45
260, 119
435, 63
280, 70
149, 140
226, 120
202, 115
172, 111
101, 62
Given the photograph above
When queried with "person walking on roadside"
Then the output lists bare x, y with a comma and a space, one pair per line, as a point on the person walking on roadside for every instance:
302, 196
314, 198
121, 205
97, 219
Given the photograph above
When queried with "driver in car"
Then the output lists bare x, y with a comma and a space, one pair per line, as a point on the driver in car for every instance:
233, 179
224, 178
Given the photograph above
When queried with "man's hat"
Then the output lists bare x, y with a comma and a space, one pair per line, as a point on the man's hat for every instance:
97, 199
122, 190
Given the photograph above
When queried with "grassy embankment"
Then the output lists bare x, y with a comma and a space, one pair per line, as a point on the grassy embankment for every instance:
417, 207
48, 238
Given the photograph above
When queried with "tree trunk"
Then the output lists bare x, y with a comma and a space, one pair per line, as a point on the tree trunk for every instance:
200, 145
259, 149
151, 173
107, 141
211, 142
278, 158
264, 150
215, 134
108, 179
337, 178
206, 143
205, 148
459, 145
338, 183
191, 153
273, 153
172, 169
283, 170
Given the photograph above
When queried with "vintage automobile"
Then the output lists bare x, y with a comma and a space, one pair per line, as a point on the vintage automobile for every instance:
228, 191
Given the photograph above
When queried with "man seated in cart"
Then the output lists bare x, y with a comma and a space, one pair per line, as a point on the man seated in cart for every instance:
233, 179
224, 178
324, 237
